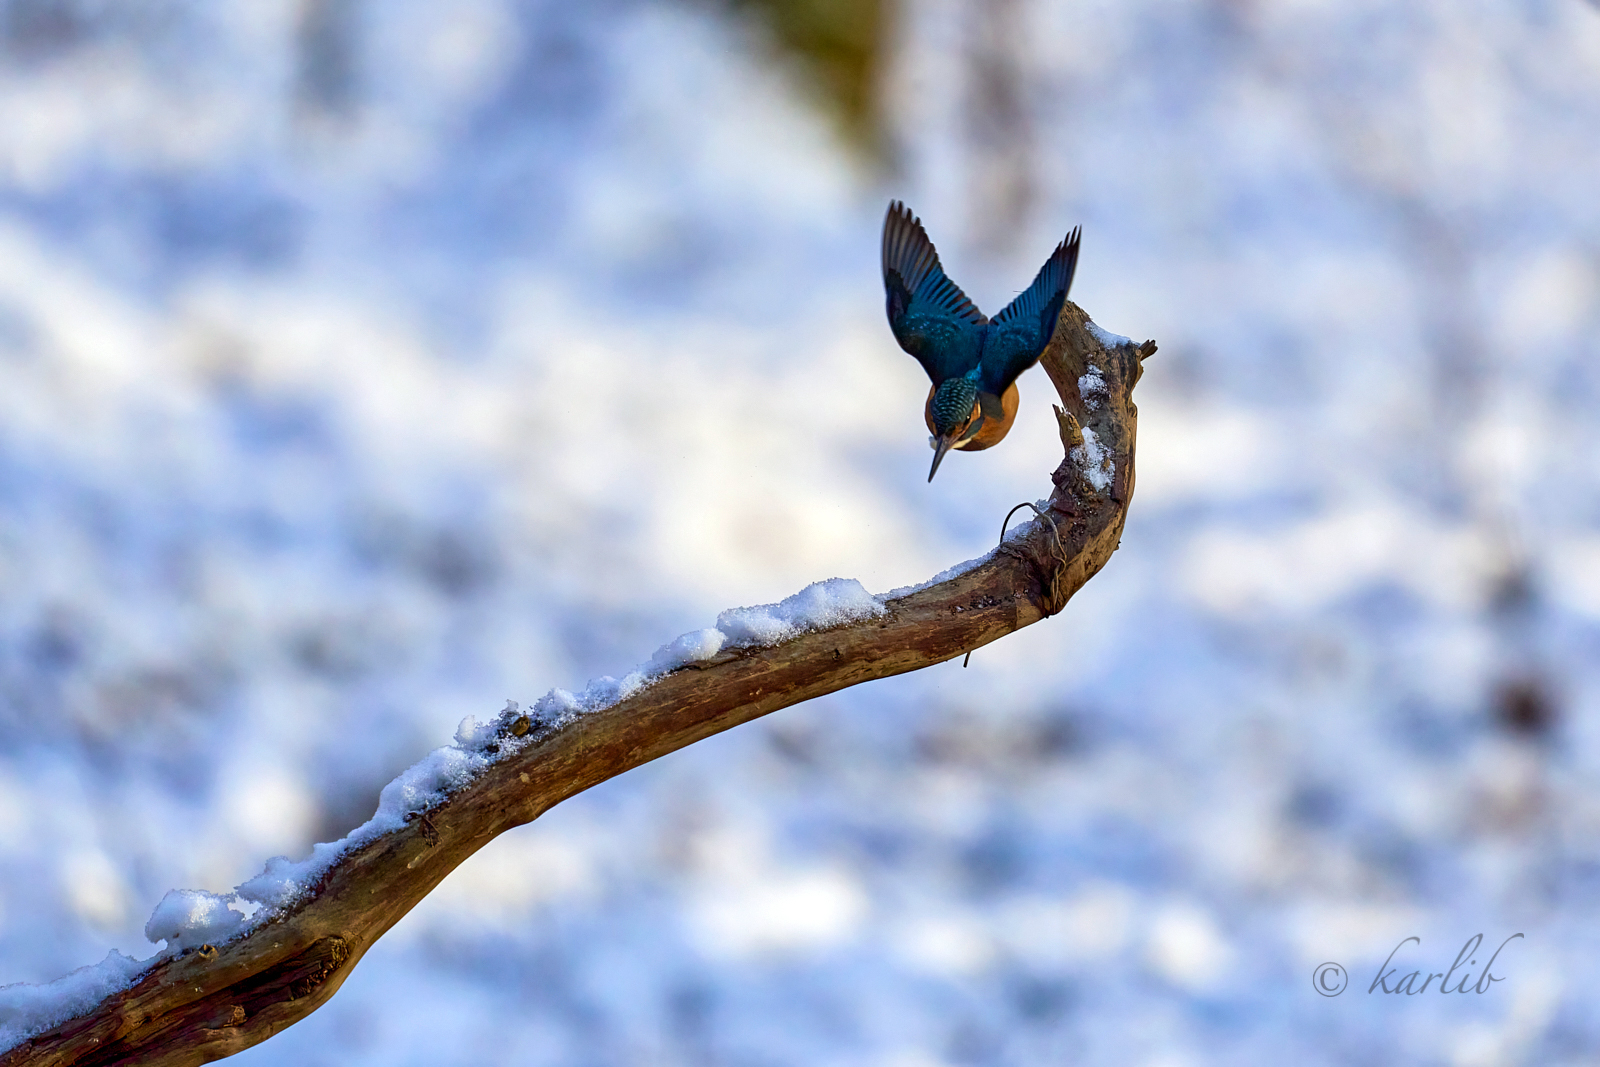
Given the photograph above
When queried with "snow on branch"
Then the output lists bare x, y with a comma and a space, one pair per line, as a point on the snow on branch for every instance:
227, 981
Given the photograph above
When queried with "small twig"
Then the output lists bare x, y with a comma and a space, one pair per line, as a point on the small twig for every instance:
430, 833
1060, 552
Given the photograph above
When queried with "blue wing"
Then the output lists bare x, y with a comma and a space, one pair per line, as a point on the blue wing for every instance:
930, 316
1019, 334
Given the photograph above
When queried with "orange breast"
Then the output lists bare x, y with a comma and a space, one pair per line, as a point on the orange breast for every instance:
992, 432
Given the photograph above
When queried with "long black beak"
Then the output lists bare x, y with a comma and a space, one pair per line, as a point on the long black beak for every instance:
941, 445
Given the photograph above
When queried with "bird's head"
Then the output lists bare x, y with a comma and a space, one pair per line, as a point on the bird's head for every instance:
953, 411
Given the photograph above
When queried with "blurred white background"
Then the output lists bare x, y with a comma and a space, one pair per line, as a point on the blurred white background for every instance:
365, 364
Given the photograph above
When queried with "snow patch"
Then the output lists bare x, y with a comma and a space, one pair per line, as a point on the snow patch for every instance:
694, 647
426, 783
1092, 387
27, 1010
1095, 460
943, 576
189, 918
1106, 338
816, 607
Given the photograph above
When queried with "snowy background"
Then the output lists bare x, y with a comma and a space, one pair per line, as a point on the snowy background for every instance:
365, 364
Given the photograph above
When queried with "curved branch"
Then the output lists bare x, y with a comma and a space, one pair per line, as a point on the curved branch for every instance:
213, 1002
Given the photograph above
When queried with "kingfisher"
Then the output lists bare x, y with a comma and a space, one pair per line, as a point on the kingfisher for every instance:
972, 360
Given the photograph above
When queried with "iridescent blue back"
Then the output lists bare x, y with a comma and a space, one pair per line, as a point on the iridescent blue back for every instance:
935, 321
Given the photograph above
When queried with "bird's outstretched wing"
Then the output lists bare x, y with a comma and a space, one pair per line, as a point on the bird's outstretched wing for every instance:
1019, 334
930, 316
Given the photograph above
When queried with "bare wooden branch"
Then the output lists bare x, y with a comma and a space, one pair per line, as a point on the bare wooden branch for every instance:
214, 1002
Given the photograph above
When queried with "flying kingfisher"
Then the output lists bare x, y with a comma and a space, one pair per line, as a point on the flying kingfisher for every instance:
973, 361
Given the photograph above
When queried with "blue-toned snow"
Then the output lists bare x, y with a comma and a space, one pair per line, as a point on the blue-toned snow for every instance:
187, 919
361, 371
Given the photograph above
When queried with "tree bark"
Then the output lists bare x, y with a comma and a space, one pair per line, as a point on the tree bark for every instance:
213, 1002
